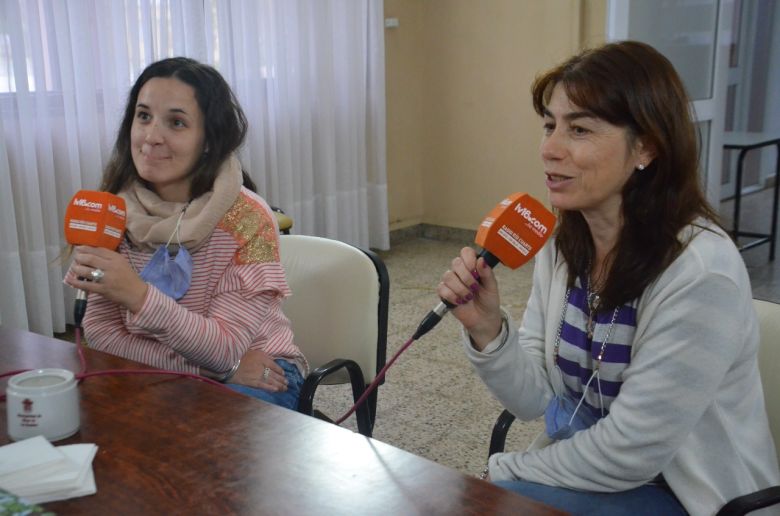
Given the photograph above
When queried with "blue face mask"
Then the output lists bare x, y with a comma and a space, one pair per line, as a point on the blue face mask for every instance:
563, 416
171, 275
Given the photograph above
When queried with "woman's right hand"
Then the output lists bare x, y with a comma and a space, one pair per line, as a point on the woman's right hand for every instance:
251, 371
120, 283
471, 285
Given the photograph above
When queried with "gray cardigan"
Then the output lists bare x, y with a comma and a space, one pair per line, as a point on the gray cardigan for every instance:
691, 405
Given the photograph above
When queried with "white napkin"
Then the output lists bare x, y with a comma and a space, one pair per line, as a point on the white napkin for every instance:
39, 472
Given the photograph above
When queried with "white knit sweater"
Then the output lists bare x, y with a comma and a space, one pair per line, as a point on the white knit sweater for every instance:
691, 405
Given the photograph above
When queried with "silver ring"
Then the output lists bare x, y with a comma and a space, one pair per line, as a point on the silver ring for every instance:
266, 372
97, 275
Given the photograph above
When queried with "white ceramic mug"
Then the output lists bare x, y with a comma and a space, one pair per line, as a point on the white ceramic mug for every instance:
42, 402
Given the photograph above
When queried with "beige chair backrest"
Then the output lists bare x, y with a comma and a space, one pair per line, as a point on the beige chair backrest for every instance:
334, 302
769, 362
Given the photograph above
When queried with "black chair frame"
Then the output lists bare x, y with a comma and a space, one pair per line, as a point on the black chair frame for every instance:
366, 413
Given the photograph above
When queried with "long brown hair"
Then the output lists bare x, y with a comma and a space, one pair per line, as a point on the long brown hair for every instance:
631, 85
225, 125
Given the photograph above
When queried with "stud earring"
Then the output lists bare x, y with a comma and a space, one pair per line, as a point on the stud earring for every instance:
640, 166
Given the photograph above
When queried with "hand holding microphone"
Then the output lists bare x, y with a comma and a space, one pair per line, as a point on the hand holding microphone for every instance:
512, 233
94, 225
471, 287
118, 283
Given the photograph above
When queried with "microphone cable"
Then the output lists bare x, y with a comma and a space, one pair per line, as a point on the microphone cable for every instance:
429, 321
373, 385
84, 373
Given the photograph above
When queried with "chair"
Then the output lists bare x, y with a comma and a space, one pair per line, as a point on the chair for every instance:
285, 221
768, 360
338, 313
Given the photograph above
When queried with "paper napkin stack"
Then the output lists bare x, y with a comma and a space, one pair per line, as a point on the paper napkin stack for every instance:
39, 472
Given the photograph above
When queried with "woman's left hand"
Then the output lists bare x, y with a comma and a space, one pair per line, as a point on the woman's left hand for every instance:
120, 283
251, 372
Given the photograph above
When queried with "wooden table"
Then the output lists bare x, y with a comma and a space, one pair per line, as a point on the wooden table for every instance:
171, 445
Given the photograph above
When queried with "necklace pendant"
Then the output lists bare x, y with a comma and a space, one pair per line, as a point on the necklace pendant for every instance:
594, 300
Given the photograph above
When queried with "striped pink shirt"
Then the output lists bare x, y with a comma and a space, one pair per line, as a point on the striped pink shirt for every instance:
233, 304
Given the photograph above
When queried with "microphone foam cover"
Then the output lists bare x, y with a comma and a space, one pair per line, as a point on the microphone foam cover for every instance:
96, 219
516, 229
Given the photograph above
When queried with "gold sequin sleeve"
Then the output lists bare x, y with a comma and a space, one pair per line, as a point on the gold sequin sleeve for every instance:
253, 228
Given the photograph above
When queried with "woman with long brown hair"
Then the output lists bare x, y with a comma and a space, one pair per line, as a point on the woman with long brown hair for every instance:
639, 341
197, 285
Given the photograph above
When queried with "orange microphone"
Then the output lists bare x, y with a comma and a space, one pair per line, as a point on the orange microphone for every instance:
95, 219
512, 233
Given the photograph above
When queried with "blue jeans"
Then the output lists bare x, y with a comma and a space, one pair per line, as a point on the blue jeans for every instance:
288, 398
647, 499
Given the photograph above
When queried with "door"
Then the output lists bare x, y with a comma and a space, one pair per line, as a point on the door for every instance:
753, 79
695, 36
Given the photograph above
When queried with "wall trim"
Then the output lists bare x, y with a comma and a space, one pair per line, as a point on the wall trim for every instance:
432, 232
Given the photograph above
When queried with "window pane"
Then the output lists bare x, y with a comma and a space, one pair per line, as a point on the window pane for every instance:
684, 31
703, 128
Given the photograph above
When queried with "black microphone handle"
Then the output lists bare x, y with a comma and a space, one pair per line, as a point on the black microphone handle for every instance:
440, 310
490, 259
79, 307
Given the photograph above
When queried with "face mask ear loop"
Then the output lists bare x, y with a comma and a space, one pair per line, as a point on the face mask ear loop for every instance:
176, 229
584, 392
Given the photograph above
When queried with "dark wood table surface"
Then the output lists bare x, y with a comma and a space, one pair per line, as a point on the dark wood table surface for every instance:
171, 445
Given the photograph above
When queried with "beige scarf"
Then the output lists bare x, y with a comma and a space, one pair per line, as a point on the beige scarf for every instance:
151, 221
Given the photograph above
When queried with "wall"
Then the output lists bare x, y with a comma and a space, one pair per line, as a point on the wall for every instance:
461, 133
404, 66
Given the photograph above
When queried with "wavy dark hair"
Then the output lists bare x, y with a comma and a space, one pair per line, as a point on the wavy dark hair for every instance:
225, 125
631, 85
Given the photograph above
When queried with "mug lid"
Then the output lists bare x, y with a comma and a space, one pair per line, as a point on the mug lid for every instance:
42, 380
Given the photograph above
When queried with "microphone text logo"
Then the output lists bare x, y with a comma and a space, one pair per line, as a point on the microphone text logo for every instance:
83, 203
527, 215
116, 210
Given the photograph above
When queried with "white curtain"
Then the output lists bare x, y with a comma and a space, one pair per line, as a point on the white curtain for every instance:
308, 73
